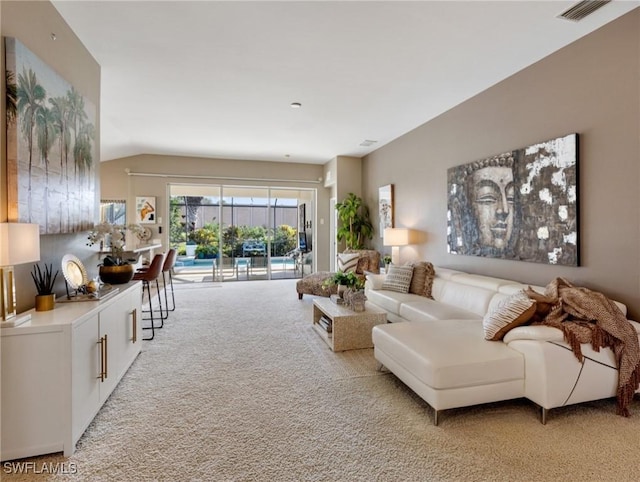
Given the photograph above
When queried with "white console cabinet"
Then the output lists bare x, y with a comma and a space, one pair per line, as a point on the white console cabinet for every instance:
60, 367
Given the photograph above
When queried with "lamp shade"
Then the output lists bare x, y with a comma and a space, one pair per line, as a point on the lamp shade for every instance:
396, 237
19, 243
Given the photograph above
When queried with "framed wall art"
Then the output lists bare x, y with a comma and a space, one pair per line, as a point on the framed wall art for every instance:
385, 207
51, 152
520, 205
146, 210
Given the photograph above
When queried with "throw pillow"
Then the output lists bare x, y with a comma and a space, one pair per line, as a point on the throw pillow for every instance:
369, 260
428, 283
398, 279
422, 280
348, 262
513, 311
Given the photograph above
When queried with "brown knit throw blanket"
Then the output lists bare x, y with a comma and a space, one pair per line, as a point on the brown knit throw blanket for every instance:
586, 316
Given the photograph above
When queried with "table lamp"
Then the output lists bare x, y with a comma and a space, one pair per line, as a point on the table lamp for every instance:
19, 244
396, 237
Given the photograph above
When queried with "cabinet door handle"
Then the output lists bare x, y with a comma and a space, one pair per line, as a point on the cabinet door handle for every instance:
101, 342
134, 339
106, 364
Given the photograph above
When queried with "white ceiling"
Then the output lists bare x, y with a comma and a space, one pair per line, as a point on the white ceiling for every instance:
216, 79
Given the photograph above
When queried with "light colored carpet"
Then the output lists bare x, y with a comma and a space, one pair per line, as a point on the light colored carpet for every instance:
238, 387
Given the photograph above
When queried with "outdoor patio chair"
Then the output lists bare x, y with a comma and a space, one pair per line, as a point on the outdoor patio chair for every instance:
242, 264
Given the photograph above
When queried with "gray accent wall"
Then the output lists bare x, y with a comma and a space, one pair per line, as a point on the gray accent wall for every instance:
33, 23
591, 87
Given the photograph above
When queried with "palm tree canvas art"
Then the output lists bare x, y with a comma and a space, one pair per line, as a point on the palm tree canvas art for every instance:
51, 158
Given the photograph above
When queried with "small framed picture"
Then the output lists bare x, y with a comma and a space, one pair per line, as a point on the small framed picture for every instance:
385, 207
146, 209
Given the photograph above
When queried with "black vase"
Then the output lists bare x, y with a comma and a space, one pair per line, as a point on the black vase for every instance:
116, 275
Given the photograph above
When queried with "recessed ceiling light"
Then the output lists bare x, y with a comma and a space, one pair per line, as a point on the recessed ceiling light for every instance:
296, 105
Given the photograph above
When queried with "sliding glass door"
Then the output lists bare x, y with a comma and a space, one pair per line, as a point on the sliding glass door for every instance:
245, 234
235, 233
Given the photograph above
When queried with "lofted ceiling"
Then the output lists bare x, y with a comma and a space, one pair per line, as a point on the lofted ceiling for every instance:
217, 79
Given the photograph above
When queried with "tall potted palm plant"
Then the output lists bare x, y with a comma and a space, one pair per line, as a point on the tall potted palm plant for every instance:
355, 226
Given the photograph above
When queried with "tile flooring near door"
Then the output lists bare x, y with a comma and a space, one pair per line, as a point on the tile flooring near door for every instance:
342, 328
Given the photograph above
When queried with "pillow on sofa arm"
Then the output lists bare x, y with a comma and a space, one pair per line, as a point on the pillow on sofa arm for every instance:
348, 262
374, 281
511, 312
422, 279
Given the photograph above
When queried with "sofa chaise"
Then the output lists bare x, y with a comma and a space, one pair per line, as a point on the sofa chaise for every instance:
437, 347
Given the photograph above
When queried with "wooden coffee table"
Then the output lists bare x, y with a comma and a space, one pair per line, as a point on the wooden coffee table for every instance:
350, 330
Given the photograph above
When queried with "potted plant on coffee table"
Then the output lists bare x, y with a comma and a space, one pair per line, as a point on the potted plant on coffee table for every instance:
344, 281
44, 281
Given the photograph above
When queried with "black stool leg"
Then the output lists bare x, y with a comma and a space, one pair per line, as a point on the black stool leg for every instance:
145, 284
162, 314
164, 285
173, 297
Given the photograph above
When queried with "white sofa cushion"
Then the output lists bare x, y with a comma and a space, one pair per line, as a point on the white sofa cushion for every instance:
389, 300
374, 280
446, 354
534, 332
486, 282
427, 310
545, 333
471, 298
446, 273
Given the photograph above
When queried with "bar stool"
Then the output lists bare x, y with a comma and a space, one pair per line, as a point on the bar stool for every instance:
152, 273
169, 263
167, 267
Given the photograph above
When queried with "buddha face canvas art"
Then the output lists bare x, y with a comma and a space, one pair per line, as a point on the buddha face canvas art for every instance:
519, 205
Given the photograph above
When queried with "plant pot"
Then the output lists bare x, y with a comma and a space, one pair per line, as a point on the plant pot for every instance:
341, 290
191, 249
45, 302
116, 275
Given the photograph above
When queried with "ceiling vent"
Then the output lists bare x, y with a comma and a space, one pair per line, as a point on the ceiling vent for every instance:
367, 143
582, 9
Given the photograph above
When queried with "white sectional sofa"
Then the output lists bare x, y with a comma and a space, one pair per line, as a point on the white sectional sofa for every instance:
437, 348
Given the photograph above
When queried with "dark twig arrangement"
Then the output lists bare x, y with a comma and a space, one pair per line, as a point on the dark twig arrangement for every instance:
44, 280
